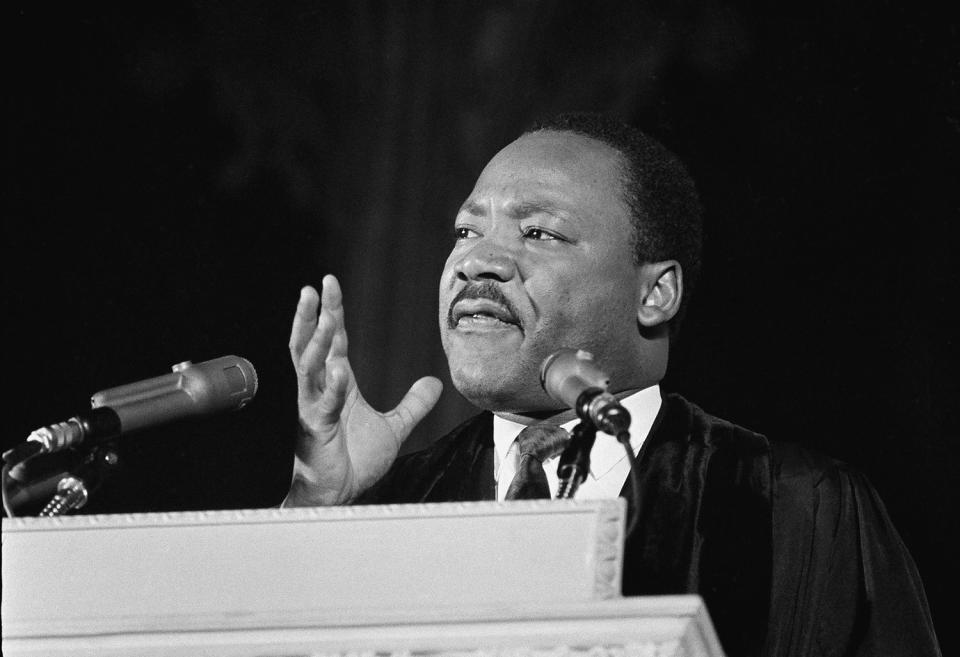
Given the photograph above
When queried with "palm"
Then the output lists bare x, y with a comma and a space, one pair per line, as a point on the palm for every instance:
345, 445
365, 441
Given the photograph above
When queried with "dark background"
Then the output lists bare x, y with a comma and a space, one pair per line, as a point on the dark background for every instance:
175, 176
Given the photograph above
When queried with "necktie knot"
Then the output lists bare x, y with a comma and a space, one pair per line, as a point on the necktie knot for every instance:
536, 444
542, 441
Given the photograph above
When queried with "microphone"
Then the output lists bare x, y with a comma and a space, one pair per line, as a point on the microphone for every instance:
573, 378
192, 389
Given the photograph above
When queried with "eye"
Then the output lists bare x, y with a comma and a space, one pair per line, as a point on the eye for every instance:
463, 232
536, 233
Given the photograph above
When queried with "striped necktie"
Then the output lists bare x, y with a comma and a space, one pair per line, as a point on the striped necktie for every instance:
536, 444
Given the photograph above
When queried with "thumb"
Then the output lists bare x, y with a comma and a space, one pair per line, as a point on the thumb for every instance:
419, 400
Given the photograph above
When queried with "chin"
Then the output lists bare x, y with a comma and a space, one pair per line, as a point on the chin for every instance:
494, 372
500, 387
484, 384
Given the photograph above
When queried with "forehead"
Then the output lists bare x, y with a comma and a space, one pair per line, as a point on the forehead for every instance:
566, 169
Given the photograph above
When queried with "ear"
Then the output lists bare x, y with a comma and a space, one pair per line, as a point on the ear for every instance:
661, 289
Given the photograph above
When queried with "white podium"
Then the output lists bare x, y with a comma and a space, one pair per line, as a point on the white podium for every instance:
510, 579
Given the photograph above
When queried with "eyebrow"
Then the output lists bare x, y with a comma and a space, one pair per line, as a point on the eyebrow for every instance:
516, 210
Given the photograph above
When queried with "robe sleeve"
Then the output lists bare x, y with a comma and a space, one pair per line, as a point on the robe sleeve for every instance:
843, 581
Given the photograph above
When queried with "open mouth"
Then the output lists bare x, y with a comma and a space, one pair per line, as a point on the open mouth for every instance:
482, 314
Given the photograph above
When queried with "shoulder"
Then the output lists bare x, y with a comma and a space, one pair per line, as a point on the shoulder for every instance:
680, 419
789, 462
797, 477
804, 482
821, 483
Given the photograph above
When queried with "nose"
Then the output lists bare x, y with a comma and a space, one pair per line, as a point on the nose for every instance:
486, 260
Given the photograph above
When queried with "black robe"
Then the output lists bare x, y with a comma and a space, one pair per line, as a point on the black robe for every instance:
793, 552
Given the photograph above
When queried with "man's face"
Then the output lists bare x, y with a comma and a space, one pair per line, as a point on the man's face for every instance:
543, 259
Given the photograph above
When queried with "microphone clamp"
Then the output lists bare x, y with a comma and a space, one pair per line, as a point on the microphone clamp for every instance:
602, 409
103, 422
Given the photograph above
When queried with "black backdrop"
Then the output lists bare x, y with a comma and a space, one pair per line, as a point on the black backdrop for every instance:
175, 176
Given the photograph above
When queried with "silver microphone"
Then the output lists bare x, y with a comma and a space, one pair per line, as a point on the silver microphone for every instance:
192, 389
573, 378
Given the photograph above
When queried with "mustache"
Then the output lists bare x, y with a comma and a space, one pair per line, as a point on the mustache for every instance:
481, 290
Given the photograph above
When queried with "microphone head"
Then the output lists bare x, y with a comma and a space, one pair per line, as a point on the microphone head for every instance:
566, 373
240, 376
225, 383
222, 384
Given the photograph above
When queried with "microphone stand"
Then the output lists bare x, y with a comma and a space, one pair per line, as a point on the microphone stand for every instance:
58, 483
73, 490
575, 459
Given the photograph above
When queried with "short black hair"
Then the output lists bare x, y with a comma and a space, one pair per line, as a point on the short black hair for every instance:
658, 189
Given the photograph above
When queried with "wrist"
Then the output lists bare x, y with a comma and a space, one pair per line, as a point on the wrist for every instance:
303, 493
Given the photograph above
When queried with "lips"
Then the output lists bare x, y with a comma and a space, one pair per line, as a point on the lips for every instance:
480, 313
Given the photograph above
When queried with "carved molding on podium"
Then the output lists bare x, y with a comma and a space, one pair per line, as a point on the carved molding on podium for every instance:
515, 579
668, 626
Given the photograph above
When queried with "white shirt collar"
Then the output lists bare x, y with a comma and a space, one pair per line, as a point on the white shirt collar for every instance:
643, 407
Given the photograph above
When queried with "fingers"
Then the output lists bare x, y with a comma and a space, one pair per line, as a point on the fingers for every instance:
334, 394
316, 339
419, 400
304, 322
332, 304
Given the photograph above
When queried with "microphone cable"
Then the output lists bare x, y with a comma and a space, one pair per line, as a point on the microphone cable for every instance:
633, 512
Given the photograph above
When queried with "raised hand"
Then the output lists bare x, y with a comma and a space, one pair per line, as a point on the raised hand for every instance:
344, 445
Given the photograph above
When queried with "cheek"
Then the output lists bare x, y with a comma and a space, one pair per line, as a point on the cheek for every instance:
447, 278
587, 305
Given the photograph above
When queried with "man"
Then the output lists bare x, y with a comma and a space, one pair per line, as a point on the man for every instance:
585, 233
